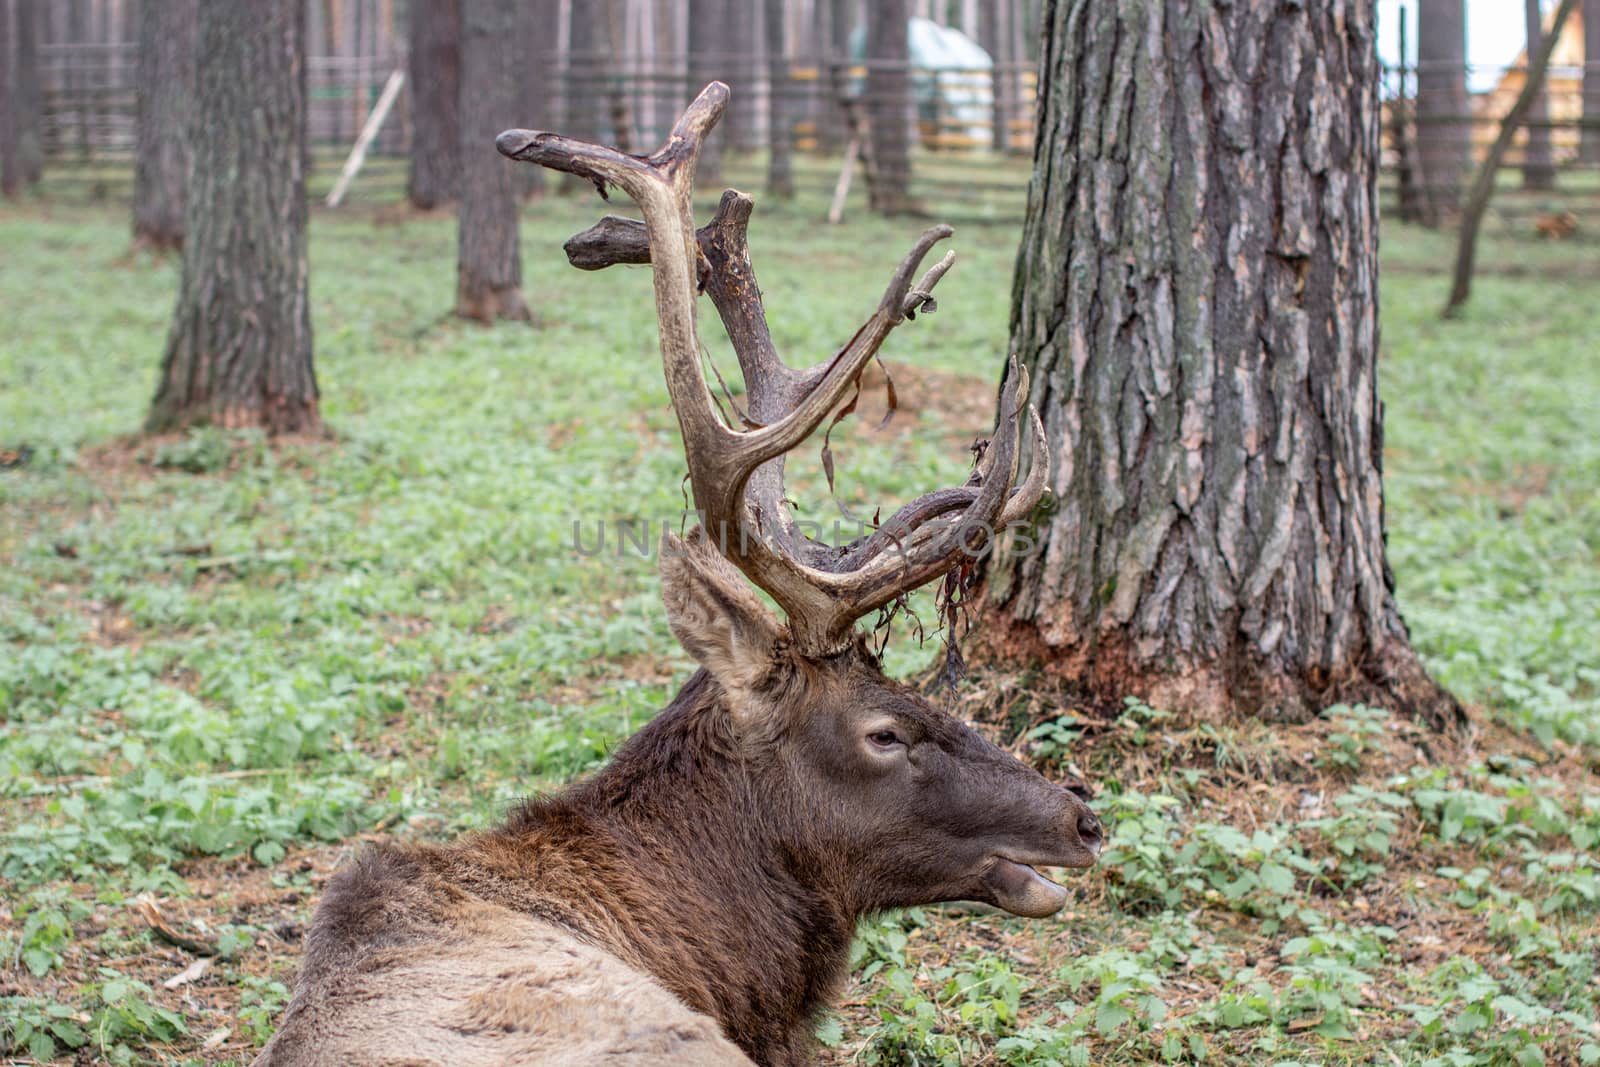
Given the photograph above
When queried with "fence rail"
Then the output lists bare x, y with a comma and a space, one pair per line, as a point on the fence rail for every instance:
960, 167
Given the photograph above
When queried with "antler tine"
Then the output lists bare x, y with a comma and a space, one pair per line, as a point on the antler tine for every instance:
936, 546
737, 477
827, 383
662, 184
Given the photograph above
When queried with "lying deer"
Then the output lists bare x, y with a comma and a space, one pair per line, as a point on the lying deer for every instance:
694, 901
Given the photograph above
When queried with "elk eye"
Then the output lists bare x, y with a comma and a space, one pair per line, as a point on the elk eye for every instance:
884, 739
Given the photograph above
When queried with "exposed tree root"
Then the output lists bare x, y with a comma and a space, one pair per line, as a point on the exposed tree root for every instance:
1099, 680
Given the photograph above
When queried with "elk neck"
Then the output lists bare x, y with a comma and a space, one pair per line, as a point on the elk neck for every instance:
751, 931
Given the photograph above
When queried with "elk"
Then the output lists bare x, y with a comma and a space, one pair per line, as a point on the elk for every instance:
694, 900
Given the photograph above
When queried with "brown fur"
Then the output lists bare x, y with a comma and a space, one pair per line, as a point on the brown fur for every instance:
701, 889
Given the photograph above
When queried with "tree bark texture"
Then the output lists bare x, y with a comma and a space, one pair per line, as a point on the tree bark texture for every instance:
1444, 131
166, 96
780, 168
489, 258
1196, 300
435, 85
889, 107
1589, 145
1538, 166
239, 351
30, 94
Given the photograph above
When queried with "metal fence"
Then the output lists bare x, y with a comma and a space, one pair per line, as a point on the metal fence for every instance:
970, 160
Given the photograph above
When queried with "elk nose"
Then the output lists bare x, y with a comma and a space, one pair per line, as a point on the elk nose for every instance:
1090, 831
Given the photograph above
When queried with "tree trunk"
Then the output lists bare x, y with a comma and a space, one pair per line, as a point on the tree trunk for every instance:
239, 352
435, 84
10, 171
995, 36
707, 63
166, 93
739, 47
1483, 182
1444, 127
536, 30
780, 169
889, 107
489, 259
1196, 301
30, 97
1589, 149
836, 18
1538, 169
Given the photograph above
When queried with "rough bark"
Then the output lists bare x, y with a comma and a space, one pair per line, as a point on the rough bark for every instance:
1196, 298
780, 169
1444, 131
29, 94
1589, 146
435, 85
166, 94
1538, 166
239, 351
489, 259
889, 107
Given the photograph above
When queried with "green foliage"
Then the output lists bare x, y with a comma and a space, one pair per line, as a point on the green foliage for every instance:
217, 655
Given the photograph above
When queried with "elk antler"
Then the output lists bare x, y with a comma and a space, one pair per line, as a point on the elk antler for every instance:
737, 475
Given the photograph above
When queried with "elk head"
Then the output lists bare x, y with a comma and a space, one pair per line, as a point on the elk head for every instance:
891, 800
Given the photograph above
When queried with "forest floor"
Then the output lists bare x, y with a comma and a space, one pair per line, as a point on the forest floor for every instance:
226, 664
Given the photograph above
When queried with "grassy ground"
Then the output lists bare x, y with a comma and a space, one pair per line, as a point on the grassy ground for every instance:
224, 666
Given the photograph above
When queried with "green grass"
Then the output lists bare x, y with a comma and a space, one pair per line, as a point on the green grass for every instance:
221, 663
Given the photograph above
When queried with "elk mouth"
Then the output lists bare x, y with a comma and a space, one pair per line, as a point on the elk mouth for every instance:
1020, 889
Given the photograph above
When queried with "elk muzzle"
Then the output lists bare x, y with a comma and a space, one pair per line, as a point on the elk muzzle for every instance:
1013, 882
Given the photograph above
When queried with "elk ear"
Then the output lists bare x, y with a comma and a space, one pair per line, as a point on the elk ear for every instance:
715, 616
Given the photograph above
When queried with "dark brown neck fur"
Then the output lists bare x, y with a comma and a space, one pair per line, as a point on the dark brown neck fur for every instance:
748, 932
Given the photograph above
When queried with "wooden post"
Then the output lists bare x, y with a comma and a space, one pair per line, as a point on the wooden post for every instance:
369, 131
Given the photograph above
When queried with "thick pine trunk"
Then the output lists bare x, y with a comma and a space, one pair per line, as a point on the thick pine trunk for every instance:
166, 94
1590, 145
889, 107
780, 170
1538, 168
1196, 299
1444, 131
435, 84
239, 352
489, 260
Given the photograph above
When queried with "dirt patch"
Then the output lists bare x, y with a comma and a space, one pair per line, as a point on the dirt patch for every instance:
963, 403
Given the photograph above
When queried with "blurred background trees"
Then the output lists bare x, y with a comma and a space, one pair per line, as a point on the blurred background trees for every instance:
239, 350
434, 58
166, 97
489, 261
